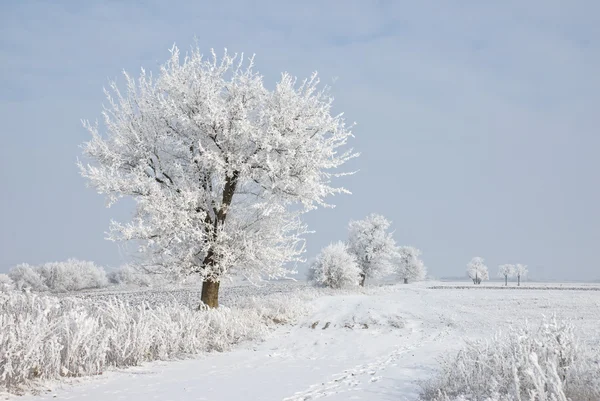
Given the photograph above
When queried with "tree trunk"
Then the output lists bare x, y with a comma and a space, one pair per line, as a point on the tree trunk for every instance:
476, 279
405, 281
363, 277
210, 289
518, 281
210, 294
506, 281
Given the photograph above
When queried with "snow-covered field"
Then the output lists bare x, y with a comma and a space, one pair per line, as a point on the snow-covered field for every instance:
375, 345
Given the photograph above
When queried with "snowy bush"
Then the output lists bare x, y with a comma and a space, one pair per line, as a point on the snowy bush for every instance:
543, 364
45, 337
6, 283
71, 275
335, 267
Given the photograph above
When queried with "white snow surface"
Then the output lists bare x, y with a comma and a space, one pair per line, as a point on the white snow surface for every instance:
374, 345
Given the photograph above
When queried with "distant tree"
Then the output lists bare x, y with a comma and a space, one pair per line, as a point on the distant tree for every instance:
410, 266
506, 271
220, 167
335, 267
373, 246
520, 271
477, 270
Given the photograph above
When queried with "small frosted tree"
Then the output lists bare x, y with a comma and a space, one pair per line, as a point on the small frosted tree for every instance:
335, 267
477, 270
373, 246
220, 167
506, 271
520, 271
410, 266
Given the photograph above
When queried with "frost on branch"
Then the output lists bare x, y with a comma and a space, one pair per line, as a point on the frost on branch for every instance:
410, 267
335, 267
373, 246
220, 167
477, 270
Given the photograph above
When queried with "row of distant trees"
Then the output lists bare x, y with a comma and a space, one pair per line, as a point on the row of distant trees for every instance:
370, 251
478, 271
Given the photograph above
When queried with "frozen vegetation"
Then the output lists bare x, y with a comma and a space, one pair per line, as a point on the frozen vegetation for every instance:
542, 363
45, 337
71, 275
290, 341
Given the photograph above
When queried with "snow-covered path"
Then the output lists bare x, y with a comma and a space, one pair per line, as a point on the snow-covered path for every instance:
352, 347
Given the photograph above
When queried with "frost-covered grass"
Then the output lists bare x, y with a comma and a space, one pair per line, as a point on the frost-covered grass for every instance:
536, 364
373, 343
46, 337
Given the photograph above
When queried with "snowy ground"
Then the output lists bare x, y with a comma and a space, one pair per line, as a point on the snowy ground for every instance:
372, 346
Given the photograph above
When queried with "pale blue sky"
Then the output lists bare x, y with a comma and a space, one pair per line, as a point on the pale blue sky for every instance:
477, 120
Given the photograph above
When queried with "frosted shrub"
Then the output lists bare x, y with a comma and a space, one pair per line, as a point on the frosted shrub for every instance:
27, 276
335, 267
6, 283
71, 275
45, 337
544, 364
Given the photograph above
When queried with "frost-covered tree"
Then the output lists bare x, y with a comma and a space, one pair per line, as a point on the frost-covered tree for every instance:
520, 271
410, 266
220, 167
335, 267
373, 246
506, 271
477, 270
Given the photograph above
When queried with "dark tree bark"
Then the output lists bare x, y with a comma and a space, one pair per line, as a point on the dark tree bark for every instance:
505, 280
363, 277
405, 281
210, 287
210, 293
